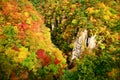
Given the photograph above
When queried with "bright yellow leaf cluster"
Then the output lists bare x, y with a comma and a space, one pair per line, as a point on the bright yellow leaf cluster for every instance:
90, 10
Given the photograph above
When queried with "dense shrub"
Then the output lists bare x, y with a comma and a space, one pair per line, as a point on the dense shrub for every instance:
70, 17
67, 18
26, 49
91, 67
25, 43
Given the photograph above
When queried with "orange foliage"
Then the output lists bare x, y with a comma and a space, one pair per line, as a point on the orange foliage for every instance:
13, 77
45, 59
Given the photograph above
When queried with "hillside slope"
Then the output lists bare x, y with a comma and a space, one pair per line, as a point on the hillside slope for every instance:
25, 41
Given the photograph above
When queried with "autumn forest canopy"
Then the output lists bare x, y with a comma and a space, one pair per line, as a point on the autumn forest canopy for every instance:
59, 40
